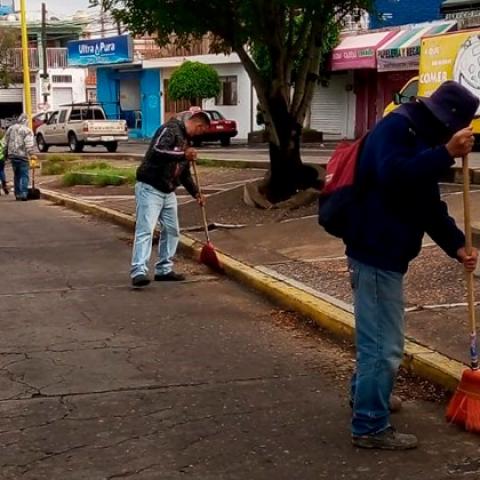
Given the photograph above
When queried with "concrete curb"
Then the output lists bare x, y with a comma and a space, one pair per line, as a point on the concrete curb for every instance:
421, 360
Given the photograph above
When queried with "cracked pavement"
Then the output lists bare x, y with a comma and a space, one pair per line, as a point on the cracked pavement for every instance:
197, 380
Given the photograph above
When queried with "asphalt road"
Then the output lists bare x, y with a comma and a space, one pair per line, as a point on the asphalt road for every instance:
202, 380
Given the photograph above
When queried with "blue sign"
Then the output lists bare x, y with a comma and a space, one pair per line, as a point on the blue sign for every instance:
100, 51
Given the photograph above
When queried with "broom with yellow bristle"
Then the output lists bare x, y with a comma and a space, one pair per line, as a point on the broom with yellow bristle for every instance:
464, 408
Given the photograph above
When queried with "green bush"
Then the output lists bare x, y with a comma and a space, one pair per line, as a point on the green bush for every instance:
194, 80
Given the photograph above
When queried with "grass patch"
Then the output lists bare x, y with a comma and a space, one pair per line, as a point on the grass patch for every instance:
100, 174
58, 164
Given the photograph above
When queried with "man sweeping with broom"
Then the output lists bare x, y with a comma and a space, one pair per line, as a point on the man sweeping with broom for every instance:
397, 201
166, 165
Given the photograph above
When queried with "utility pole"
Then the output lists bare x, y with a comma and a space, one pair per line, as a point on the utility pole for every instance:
44, 75
27, 92
102, 21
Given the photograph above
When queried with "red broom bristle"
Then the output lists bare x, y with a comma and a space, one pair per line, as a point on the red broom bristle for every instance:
208, 256
464, 408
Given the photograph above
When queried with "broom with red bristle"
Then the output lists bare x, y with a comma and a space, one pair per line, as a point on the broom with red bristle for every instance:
208, 255
464, 408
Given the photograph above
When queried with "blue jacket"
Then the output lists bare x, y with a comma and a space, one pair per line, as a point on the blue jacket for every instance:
399, 196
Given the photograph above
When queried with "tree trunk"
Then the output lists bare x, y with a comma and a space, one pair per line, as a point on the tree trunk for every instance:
287, 172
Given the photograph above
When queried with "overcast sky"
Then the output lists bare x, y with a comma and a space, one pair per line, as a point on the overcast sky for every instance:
55, 7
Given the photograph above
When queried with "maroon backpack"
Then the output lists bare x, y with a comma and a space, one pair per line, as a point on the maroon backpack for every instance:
339, 192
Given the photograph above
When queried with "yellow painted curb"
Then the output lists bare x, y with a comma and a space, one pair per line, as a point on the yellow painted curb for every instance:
421, 360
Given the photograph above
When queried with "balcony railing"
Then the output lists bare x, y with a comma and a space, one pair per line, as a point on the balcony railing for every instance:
56, 58
147, 48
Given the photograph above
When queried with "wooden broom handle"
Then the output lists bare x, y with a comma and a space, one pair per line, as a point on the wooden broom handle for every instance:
468, 248
204, 210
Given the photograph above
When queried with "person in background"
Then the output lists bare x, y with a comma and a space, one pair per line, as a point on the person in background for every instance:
19, 146
3, 177
166, 165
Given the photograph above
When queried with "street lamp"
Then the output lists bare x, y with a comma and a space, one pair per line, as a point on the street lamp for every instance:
27, 92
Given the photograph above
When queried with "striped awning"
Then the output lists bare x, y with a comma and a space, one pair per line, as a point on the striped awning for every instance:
402, 51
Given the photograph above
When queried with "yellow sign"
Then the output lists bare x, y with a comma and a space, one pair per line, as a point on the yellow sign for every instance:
454, 56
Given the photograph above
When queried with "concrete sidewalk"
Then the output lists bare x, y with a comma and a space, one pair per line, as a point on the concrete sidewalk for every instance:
203, 379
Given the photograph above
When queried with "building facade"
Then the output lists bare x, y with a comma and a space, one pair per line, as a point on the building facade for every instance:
391, 13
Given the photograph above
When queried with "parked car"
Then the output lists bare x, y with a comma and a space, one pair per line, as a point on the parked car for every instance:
79, 125
221, 130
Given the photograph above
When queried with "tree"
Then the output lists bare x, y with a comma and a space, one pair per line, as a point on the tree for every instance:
8, 41
281, 43
194, 80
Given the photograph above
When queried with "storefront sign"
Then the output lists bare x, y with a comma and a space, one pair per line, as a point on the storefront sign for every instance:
100, 51
450, 57
359, 51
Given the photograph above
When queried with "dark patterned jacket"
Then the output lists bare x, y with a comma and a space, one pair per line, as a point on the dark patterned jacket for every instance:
165, 166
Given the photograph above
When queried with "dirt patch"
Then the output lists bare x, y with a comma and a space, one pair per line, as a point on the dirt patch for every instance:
408, 386
229, 208
433, 278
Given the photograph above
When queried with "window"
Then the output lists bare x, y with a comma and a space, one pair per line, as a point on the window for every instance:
63, 115
228, 91
214, 115
62, 79
411, 90
53, 118
98, 114
75, 115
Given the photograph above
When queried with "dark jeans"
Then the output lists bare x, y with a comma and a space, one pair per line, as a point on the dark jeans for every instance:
20, 177
3, 178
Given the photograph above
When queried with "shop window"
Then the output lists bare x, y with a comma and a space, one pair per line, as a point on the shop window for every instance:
228, 91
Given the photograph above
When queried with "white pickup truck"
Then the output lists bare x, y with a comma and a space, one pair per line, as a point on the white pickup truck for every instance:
80, 125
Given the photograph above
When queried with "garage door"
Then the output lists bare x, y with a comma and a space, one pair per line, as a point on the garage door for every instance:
61, 96
11, 95
329, 110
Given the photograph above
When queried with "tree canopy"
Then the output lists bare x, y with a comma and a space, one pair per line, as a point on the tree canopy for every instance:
8, 40
194, 80
282, 44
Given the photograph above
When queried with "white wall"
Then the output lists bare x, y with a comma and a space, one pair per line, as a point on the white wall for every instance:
244, 112
77, 86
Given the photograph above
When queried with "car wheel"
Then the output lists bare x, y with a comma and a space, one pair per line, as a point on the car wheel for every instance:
225, 141
42, 146
111, 147
74, 144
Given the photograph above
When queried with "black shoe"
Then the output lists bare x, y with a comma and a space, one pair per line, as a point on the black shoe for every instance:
140, 281
389, 439
170, 277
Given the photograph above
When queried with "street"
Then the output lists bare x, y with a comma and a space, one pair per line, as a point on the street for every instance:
203, 379
314, 153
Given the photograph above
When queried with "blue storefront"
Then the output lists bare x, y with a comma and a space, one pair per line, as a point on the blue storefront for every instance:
124, 89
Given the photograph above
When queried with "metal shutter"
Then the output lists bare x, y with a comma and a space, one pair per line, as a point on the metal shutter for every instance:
329, 110
11, 95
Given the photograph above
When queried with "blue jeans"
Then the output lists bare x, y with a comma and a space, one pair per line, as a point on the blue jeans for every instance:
154, 206
3, 178
379, 319
21, 179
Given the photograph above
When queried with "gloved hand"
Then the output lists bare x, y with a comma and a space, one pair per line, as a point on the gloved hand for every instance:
33, 161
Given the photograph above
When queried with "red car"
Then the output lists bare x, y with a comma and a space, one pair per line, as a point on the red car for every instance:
221, 130
39, 119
